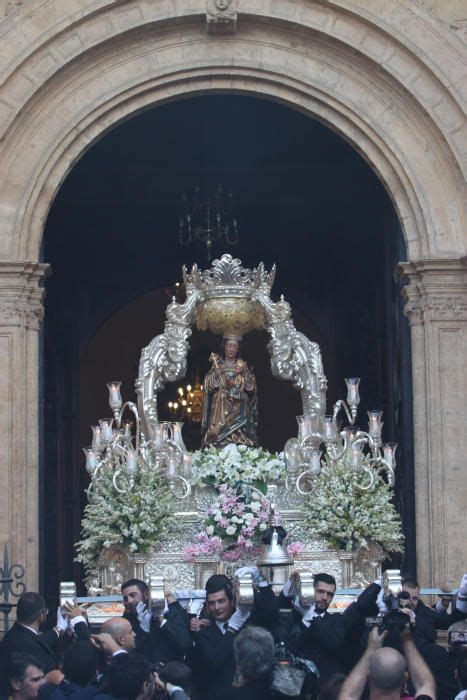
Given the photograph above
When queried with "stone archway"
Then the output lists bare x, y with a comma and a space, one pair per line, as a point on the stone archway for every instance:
71, 75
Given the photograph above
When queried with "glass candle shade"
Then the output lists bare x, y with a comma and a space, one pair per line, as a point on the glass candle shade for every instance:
106, 429
115, 398
92, 460
375, 424
96, 437
353, 397
389, 453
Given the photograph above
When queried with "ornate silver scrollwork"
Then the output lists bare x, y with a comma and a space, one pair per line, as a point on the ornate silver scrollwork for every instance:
164, 359
240, 299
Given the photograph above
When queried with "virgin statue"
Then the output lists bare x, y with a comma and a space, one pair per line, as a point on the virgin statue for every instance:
229, 399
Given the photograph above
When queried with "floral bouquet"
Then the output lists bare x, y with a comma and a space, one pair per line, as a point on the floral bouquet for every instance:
135, 519
349, 517
233, 464
236, 521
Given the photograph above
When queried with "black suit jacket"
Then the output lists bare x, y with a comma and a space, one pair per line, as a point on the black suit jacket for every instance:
20, 639
171, 642
213, 663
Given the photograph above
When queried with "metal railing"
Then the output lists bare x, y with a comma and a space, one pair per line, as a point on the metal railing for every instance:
11, 586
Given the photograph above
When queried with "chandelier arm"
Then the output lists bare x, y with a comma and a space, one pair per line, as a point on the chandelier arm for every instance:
308, 440
338, 406
372, 479
297, 483
114, 481
134, 409
381, 464
366, 438
186, 484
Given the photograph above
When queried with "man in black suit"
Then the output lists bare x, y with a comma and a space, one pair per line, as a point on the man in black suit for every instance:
25, 636
163, 638
213, 659
330, 641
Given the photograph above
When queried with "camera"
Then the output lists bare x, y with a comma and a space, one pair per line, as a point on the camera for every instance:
395, 619
457, 639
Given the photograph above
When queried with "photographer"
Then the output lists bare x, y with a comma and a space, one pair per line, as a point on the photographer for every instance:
428, 620
384, 670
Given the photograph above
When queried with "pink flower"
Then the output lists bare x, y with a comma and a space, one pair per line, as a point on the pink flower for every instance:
295, 548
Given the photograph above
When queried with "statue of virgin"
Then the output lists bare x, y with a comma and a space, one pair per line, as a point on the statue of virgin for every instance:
229, 399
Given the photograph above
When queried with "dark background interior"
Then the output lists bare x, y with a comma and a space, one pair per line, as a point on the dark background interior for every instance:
304, 199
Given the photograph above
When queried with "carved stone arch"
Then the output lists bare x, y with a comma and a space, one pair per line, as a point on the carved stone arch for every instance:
293, 356
359, 71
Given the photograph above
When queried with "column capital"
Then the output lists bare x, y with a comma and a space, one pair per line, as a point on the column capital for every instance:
437, 290
21, 293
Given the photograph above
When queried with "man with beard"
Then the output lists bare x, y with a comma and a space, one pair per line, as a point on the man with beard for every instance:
332, 642
160, 639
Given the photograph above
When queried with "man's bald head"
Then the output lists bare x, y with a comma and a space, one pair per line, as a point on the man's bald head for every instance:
386, 670
121, 631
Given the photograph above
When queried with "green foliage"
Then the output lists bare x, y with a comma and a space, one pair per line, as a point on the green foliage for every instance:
348, 517
134, 520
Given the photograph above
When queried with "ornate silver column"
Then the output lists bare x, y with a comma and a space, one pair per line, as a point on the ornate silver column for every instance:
21, 313
436, 306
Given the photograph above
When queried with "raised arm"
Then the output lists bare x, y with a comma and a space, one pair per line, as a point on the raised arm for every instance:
419, 672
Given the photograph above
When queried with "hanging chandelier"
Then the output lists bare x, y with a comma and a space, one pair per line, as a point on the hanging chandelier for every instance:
208, 220
320, 440
188, 404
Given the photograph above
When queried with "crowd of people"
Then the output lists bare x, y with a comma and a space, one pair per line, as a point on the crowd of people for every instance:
379, 647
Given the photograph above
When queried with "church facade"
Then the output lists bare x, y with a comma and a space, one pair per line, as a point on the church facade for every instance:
386, 75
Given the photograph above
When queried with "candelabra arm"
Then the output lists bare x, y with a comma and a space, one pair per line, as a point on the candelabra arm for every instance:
351, 415
297, 483
114, 481
134, 409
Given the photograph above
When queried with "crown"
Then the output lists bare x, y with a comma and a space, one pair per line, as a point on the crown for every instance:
227, 278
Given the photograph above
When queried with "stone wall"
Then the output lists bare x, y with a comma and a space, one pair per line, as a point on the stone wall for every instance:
386, 75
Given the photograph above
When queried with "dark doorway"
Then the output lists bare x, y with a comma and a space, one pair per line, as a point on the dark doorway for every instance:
304, 199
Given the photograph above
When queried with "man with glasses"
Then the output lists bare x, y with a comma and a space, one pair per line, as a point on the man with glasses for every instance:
25, 636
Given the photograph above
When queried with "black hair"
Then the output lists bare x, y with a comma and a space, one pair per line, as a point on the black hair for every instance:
127, 674
410, 583
176, 673
143, 587
19, 664
30, 605
217, 583
325, 578
80, 663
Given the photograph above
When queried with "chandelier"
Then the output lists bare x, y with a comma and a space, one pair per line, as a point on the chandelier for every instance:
208, 221
319, 439
115, 447
189, 403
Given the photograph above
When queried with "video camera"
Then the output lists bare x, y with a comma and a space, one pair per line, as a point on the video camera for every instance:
396, 600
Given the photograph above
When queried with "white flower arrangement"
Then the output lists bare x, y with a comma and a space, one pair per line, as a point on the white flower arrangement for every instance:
233, 464
347, 516
134, 520
239, 516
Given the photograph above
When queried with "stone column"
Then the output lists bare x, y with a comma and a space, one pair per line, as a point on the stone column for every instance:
436, 305
21, 312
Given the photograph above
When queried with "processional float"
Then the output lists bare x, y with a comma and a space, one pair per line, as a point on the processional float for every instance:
229, 299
